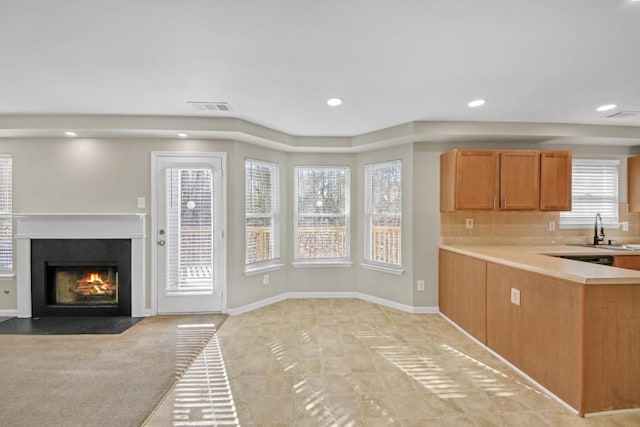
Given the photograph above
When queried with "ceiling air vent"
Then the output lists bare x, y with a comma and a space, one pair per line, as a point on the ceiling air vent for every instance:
623, 114
211, 106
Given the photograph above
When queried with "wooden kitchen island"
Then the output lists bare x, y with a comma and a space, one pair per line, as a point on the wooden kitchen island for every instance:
571, 326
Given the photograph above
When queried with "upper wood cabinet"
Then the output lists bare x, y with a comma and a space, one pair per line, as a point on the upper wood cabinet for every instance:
555, 181
469, 179
519, 179
633, 183
505, 179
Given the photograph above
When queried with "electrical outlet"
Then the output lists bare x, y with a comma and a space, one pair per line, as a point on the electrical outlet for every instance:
625, 225
469, 223
515, 296
420, 285
141, 202
552, 226
265, 279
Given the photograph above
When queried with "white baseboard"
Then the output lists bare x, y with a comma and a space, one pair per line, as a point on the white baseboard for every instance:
312, 295
255, 305
398, 306
8, 313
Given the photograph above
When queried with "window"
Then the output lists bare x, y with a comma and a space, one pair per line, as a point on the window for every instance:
594, 190
6, 211
321, 214
261, 215
383, 214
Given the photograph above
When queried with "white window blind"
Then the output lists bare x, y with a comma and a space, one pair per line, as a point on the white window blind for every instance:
321, 211
594, 190
6, 211
262, 213
383, 213
190, 227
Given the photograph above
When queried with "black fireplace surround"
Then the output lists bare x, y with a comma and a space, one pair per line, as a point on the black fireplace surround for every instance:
51, 255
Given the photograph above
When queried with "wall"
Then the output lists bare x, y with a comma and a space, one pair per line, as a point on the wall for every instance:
324, 279
100, 175
89, 176
378, 284
244, 289
108, 175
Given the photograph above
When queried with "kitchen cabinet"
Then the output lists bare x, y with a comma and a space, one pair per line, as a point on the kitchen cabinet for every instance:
505, 179
578, 340
555, 180
542, 334
633, 183
519, 179
469, 179
632, 262
462, 290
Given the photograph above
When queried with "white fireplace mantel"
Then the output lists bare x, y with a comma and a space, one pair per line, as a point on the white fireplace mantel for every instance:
80, 226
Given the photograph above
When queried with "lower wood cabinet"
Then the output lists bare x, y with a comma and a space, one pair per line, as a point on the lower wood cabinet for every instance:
462, 292
541, 336
581, 342
631, 262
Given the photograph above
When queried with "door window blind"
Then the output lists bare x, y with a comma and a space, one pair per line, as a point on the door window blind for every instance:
321, 213
383, 213
190, 227
594, 190
6, 211
262, 212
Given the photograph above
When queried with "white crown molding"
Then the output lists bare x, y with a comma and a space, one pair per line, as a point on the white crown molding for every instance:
230, 128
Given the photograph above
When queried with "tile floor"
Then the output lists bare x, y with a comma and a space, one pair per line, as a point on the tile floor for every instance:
346, 362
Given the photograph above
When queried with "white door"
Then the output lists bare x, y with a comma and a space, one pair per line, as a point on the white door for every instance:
188, 232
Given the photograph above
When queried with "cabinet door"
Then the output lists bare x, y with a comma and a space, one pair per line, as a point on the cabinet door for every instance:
632, 262
555, 181
462, 289
477, 182
633, 183
519, 179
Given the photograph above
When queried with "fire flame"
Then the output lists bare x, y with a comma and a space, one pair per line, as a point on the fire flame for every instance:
95, 277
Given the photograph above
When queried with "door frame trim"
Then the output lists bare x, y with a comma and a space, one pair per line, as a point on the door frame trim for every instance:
155, 155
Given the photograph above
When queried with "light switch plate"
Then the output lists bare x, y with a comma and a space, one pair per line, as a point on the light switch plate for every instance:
515, 296
141, 202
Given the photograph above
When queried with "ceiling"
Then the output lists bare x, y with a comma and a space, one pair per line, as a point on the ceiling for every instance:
277, 62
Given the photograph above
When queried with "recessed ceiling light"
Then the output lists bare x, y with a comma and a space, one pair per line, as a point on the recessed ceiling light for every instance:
69, 133
606, 107
334, 102
477, 103
182, 135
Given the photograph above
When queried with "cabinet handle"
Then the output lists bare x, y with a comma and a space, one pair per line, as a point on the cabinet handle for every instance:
494, 202
505, 203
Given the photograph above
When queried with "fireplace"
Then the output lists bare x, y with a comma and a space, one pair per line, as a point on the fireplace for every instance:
81, 277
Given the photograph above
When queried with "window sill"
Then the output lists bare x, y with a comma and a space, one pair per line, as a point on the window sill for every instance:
321, 264
383, 269
262, 269
7, 276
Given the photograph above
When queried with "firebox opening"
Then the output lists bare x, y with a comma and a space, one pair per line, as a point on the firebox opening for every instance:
82, 285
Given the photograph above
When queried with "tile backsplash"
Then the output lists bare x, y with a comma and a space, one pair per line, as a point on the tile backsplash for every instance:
527, 228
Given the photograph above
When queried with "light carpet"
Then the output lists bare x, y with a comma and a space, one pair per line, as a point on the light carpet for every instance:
98, 380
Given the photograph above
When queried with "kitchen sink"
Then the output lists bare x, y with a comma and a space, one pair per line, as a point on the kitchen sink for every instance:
630, 247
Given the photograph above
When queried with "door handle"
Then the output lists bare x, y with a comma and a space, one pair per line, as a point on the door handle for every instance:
161, 242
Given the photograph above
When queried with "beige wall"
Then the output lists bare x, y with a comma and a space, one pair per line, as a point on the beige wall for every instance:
108, 175
397, 288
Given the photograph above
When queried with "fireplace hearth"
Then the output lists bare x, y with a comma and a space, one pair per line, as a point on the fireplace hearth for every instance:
81, 277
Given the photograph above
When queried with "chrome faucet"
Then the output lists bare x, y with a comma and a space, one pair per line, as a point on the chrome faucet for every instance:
598, 237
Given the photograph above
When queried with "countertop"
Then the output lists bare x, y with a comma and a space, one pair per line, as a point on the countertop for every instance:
541, 259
